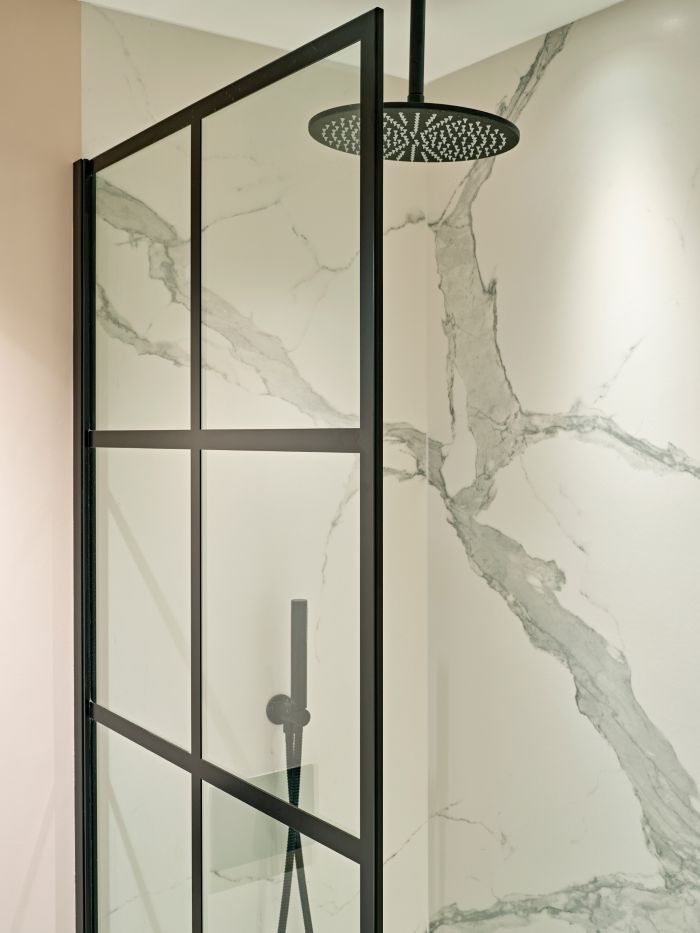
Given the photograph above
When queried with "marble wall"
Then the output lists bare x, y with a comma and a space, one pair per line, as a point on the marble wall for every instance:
564, 493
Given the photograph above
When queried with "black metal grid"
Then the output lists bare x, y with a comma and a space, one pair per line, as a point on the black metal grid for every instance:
365, 440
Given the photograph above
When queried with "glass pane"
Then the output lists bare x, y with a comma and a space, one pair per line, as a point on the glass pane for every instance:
245, 862
280, 263
144, 859
143, 588
279, 527
142, 254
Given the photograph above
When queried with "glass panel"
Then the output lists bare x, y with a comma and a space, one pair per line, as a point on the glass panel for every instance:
279, 527
142, 254
144, 836
244, 864
280, 273
143, 588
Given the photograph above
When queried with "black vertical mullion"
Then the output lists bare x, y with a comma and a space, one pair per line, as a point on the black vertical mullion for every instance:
196, 513
82, 856
196, 275
83, 565
196, 687
371, 429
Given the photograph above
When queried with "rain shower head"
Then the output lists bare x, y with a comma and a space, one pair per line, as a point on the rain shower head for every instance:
420, 132
416, 131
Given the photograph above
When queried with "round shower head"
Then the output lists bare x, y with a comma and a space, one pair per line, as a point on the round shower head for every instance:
420, 132
415, 131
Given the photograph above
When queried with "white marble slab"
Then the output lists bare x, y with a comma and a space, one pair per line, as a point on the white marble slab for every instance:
564, 521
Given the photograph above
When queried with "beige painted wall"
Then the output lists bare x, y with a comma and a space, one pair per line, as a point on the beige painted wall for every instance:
39, 138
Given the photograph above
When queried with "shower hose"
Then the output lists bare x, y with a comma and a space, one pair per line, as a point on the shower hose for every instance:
294, 856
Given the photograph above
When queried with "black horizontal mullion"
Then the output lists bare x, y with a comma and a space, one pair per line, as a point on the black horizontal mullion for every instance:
275, 807
171, 440
322, 440
301, 440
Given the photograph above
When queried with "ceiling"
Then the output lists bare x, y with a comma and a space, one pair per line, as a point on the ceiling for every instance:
458, 32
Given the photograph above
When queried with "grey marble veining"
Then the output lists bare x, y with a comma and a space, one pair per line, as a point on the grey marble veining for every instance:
118, 328
247, 342
263, 352
502, 431
616, 903
135, 78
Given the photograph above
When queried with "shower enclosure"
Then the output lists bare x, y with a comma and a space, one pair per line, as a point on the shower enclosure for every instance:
540, 501
209, 464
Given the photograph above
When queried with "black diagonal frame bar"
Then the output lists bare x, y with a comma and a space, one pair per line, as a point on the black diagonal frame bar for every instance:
366, 849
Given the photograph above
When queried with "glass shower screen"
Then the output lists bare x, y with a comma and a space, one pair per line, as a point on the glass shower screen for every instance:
228, 511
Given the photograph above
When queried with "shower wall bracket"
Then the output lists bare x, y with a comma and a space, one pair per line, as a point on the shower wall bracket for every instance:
282, 711
290, 710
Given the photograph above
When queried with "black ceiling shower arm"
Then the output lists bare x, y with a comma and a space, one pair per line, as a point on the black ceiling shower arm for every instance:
416, 63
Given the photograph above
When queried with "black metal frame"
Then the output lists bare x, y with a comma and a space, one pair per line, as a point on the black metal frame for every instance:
366, 440
416, 60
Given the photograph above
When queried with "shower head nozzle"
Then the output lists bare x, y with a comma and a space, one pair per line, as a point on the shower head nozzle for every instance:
416, 131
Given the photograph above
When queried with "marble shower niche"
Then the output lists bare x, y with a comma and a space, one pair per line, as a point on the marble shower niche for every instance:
541, 462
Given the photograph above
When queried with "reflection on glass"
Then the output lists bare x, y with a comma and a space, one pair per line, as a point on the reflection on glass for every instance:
254, 869
280, 259
142, 256
144, 836
142, 500
279, 530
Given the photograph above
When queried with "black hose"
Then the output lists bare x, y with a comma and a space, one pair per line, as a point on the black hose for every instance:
293, 741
